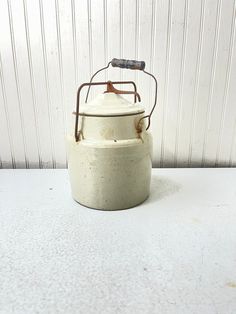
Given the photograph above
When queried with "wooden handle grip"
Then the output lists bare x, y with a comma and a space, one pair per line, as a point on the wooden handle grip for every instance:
128, 64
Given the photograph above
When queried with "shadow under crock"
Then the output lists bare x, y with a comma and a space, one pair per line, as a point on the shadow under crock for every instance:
162, 187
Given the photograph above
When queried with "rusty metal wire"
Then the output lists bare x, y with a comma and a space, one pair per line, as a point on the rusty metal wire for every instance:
106, 67
155, 102
129, 64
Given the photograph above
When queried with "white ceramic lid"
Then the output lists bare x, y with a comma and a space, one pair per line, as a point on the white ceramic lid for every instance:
110, 104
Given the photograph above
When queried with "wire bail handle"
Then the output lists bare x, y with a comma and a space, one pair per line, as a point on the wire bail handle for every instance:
123, 64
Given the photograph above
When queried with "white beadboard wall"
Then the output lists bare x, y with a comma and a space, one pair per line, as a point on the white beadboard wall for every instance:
49, 47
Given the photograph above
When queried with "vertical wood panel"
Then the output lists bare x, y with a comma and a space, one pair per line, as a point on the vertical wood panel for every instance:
82, 42
129, 36
113, 36
7, 158
173, 80
190, 73
48, 48
182, 80
24, 83
228, 108
144, 52
98, 42
166, 80
32, 86
37, 63
220, 87
52, 68
13, 109
68, 62
159, 70
230, 154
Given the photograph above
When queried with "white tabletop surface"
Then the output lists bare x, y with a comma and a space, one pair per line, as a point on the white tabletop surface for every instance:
175, 253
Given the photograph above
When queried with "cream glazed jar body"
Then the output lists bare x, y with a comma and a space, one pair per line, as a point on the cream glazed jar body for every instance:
110, 165
110, 153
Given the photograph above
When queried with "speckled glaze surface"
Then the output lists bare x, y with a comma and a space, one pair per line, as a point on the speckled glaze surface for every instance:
110, 167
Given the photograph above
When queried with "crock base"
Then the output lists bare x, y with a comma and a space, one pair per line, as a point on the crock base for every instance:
114, 209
